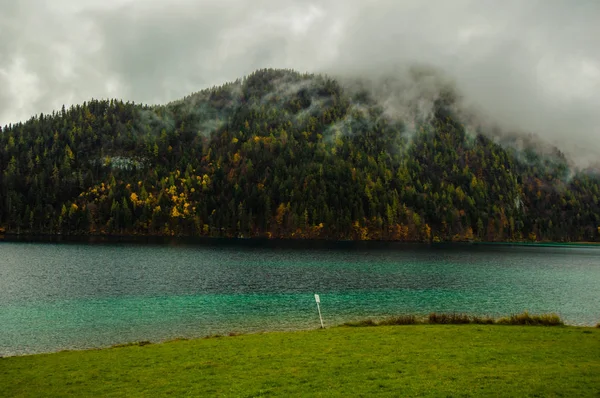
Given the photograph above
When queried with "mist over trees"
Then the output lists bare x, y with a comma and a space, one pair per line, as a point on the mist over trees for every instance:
281, 154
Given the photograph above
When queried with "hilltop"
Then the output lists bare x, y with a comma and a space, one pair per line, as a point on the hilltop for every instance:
281, 154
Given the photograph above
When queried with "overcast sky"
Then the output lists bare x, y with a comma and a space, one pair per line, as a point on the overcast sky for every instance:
533, 64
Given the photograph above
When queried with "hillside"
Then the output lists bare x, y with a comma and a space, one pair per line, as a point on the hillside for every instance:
286, 155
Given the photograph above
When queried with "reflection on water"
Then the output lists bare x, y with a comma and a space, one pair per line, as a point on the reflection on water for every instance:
65, 296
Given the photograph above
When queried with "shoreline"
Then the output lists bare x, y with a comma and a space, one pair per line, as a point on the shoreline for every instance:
164, 239
434, 319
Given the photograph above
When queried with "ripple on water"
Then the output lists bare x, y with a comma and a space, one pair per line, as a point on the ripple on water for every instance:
73, 296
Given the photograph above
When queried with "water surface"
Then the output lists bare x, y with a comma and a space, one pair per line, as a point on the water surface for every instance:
73, 296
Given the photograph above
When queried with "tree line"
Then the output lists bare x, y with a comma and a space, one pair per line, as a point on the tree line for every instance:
281, 154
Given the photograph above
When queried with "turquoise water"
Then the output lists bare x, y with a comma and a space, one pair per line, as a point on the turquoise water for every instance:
73, 296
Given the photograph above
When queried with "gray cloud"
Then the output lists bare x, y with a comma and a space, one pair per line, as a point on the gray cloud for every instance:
531, 65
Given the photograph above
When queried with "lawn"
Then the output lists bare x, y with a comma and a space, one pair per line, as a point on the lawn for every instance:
413, 360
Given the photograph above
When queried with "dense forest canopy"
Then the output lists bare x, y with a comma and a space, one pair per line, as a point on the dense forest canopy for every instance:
281, 154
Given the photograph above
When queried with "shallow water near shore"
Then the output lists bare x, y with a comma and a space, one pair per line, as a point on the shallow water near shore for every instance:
56, 296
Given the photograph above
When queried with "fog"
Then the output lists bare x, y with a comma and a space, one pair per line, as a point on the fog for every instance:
529, 66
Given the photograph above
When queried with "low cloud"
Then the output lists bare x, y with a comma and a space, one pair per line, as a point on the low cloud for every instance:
531, 66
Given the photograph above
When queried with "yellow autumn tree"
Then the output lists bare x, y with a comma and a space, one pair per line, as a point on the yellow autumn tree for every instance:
281, 210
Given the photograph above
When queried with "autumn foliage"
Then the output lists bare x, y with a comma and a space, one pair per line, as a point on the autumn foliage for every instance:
283, 155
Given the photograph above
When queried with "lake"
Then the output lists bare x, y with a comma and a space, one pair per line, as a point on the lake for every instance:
56, 296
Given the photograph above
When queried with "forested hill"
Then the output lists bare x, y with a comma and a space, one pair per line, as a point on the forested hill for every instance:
284, 155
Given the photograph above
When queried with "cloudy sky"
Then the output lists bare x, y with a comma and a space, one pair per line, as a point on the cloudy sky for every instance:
535, 65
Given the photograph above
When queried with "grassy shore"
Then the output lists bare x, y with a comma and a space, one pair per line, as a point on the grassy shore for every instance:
411, 360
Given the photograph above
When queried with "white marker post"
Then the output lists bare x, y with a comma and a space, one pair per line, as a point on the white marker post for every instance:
318, 300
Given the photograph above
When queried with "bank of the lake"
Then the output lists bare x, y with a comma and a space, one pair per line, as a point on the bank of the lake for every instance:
415, 360
295, 241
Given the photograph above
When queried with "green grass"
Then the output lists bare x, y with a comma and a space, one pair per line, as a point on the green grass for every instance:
412, 360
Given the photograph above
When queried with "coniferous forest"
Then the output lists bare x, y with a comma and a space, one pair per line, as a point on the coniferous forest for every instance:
280, 154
